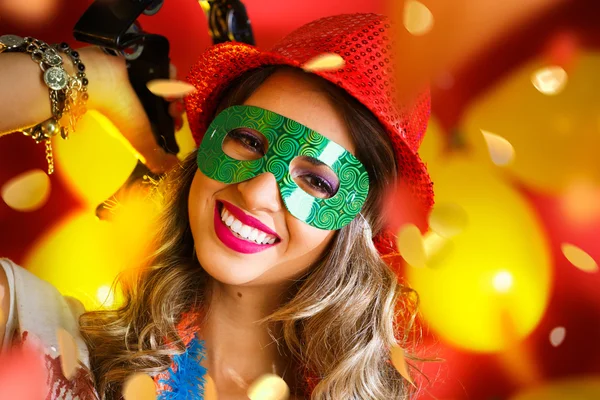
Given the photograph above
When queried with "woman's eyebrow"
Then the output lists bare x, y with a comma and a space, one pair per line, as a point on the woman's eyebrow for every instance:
314, 161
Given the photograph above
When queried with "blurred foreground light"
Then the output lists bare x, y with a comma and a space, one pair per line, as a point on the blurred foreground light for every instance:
448, 219
170, 88
579, 258
324, 62
139, 386
410, 245
549, 80
417, 18
557, 336
28, 191
399, 362
268, 387
69, 353
501, 151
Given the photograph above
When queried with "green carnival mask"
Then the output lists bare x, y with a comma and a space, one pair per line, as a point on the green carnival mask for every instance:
320, 182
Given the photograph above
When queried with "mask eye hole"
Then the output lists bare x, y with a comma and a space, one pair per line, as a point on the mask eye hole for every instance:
245, 144
314, 177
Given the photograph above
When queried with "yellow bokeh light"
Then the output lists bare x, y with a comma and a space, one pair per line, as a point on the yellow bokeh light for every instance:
504, 248
105, 296
502, 281
82, 255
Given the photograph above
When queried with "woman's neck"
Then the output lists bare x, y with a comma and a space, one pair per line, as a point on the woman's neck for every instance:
240, 350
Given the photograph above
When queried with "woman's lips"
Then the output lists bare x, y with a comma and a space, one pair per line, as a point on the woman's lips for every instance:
247, 219
228, 238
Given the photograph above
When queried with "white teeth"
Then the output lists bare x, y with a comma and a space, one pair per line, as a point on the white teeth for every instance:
236, 226
253, 234
261, 236
244, 231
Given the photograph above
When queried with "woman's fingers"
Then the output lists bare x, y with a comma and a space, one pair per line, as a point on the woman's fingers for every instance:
111, 93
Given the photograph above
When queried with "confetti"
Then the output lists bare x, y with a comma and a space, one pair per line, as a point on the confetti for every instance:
210, 388
500, 149
268, 387
579, 258
139, 386
28, 191
410, 245
69, 353
170, 88
448, 219
557, 336
418, 20
549, 80
399, 363
324, 62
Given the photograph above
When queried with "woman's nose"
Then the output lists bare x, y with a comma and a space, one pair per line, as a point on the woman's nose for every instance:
261, 193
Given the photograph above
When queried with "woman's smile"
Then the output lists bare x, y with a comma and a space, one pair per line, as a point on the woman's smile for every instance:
240, 231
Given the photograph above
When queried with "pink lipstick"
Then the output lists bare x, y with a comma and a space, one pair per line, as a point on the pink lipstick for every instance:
229, 239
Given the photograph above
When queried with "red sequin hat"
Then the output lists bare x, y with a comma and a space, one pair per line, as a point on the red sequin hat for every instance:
363, 41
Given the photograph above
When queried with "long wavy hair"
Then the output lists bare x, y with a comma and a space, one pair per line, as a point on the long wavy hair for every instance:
343, 315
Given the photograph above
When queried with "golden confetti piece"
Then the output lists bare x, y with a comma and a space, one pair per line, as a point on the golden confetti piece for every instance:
324, 62
210, 388
268, 387
579, 258
557, 336
139, 386
549, 80
170, 88
399, 362
69, 353
28, 191
500, 149
418, 20
448, 219
410, 245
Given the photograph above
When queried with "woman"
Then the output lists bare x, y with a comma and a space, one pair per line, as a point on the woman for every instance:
269, 256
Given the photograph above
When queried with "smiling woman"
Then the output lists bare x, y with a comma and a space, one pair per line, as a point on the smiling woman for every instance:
269, 254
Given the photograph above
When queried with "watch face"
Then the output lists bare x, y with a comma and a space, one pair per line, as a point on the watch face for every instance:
56, 78
11, 41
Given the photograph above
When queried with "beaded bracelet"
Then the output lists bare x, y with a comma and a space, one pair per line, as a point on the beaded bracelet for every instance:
77, 96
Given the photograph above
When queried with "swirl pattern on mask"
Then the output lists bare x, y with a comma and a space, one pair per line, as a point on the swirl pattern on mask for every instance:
287, 140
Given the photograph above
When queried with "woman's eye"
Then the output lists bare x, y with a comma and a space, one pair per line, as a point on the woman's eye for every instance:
243, 144
249, 140
320, 185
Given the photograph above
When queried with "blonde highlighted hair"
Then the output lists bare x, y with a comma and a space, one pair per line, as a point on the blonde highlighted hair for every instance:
341, 318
